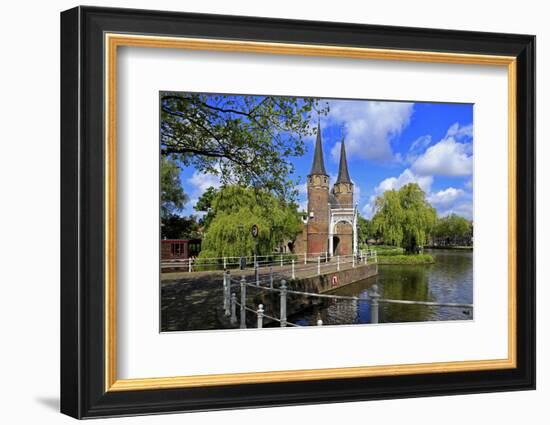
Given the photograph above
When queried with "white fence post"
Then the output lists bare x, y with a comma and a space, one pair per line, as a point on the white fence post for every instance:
281, 260
224, 263
283, 303
293, 273
257, 274
338, 263
305, 257
190, 265
243, 302
260, 314
319, 265
227, 293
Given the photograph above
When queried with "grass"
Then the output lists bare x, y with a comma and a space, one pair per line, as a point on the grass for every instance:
405, 259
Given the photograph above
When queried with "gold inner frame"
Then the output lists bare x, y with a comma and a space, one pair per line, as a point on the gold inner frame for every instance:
113, 41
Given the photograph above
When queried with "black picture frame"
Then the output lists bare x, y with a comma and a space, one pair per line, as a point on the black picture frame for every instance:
83, 392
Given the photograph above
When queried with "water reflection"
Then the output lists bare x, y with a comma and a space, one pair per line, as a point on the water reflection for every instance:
450, 279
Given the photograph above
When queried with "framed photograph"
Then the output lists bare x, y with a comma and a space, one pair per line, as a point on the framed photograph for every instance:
261, 212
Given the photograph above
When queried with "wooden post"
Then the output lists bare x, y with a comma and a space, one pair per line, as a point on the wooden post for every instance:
271, 277
260, 314
243, 302
338, 263
283, 303
293, 273
352, 260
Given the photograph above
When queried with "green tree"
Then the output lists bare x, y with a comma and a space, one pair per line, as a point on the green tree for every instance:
234, 206
245, 140
204, 204
404, 218
452, 229
388, 219
178, 227
172, 196
365, 230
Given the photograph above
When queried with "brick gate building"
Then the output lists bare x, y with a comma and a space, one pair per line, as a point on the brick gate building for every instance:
331, 223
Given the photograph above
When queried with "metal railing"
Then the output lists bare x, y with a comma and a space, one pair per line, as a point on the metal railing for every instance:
317, 260
231, 303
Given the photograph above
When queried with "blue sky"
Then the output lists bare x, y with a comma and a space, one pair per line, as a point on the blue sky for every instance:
388, 145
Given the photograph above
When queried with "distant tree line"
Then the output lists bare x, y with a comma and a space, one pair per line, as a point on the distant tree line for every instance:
404, 218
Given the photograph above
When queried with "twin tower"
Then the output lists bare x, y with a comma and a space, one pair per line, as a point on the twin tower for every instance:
331, 225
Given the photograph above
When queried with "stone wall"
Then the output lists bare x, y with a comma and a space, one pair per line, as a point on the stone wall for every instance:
329, 281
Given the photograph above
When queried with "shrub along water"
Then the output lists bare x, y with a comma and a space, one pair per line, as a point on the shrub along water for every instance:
406, 259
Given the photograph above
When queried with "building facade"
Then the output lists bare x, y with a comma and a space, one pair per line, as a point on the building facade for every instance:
331, 224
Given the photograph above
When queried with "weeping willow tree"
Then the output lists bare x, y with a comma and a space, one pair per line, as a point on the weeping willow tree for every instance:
404, 218
235, 210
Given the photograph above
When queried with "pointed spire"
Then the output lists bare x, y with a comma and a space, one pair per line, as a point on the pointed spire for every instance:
343, 174
318, 166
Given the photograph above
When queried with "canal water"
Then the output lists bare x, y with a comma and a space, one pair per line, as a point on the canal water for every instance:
449, 280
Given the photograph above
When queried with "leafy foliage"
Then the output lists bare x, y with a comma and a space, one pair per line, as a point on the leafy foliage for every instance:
173, 198
404, 218
406, 259
245, 140
452, 228
177, 227
365, 230
204, 204
235, 209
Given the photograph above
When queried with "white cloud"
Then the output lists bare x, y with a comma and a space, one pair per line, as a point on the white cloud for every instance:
391, 183
368, 208
418, 147
463, 209
460, 132
445, 198
448, 157
369, 127
406, 177
202, 181
356, 192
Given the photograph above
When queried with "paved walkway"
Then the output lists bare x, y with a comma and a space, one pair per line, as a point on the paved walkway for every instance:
193, 301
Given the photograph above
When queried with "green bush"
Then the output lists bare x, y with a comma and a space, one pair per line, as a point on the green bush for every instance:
406, 259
